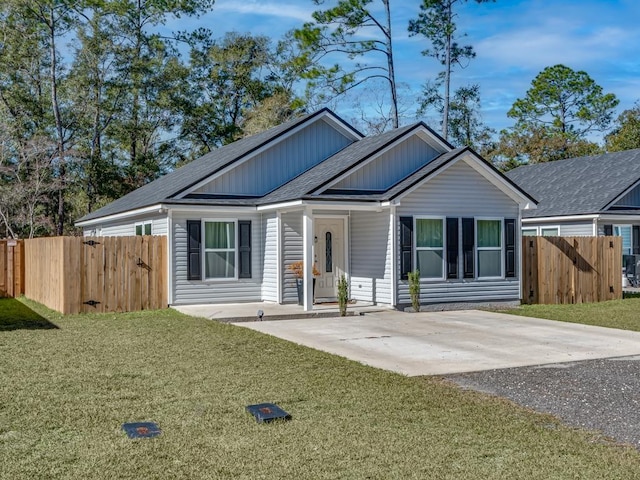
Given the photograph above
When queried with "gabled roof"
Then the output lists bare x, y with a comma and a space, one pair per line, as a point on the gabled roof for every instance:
578, 186
168, 186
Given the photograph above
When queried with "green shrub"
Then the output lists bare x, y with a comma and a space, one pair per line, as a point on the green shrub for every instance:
414, 289
343, 295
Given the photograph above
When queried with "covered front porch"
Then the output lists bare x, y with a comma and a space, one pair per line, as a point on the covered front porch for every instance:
319, 244
247, 312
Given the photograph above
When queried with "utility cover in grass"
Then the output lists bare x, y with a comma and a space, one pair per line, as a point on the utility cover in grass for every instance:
141, 429
267, 412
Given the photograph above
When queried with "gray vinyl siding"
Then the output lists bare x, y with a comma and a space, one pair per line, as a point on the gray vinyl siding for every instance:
459, 191
270, 261
284, 161
631, 199
125, 228
567, 229
390, 167
291, 252
576, 229
187, 292
370, 255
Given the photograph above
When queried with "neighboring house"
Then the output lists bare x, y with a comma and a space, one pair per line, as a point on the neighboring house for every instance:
586, 196
315, 190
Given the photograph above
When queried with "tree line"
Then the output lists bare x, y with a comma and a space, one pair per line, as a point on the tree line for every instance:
96, 99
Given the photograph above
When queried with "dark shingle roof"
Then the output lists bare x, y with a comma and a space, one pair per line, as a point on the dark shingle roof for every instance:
576, 186
170, 185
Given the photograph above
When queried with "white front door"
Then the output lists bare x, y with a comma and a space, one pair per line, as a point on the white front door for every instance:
329, 257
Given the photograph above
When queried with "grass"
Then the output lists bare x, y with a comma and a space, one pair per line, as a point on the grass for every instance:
621, 314
64, 393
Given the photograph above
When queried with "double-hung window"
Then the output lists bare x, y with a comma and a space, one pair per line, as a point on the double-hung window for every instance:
489, 248
624, 231
143, 228
430, 247
220, 249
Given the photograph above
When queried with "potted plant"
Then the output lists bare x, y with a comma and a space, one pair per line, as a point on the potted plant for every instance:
343, 295
297, 268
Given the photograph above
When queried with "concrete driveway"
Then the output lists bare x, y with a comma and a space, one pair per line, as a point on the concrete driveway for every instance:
442, 343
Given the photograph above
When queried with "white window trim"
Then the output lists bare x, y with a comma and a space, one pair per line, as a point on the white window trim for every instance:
205, 250
142, 224
485, 249
443, 248
545, 227
535, 230
624, 225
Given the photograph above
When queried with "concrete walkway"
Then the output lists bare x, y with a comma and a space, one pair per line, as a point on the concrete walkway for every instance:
442, 343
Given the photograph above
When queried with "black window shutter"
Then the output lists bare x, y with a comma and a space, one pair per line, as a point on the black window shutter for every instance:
452, 248
510, 247
608, 230
244, 249
406, 246
194, 265
636, 239
468, 242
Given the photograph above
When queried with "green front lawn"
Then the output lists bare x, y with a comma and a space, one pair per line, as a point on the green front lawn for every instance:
65, 391
623, 314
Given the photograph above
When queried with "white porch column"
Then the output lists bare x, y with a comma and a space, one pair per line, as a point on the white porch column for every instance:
393, 225
307, 258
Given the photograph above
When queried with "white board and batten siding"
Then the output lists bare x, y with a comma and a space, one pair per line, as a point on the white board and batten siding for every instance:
127, 227
280, 163
391, 166
270, 263
187, 292
370, 255
459, 191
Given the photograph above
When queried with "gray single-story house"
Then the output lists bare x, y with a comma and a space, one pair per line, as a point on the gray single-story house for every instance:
315, 190
585, 196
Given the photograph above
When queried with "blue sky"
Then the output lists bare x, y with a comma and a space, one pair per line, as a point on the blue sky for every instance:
513, 39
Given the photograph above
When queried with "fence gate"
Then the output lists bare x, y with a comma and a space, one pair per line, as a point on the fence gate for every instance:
558, 270
11, 268
123, 274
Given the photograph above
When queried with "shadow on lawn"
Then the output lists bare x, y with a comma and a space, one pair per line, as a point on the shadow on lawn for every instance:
15, 315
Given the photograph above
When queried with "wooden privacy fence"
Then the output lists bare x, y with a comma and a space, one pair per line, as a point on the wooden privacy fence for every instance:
559, 270
97, 274
11, 268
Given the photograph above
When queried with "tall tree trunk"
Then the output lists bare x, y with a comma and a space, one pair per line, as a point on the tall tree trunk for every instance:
391, 70
447, 76
58, 121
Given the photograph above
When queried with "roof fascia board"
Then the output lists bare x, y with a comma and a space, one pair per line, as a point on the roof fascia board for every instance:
613, 217
324, 114
374, 156
325, 204
561, 218
160, 208
208, 208
619, 197
433, 139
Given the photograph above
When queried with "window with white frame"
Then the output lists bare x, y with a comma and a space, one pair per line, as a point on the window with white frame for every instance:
143, 228
489, 248
549, 231
529, 232
219, 249
430, 247
624, 231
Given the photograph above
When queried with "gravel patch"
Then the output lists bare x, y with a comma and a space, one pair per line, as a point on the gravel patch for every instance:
599, 394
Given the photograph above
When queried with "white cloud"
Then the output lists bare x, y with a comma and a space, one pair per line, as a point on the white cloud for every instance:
272, 9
